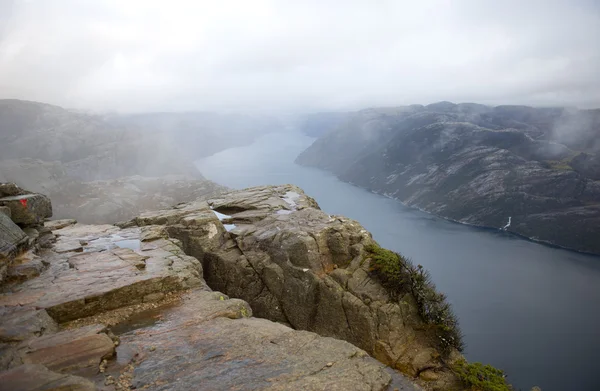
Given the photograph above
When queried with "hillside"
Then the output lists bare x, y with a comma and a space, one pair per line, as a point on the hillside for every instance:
106, 168
531, 171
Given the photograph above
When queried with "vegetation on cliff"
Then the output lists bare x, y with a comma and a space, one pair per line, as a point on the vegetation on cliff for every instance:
401, 276
479, 377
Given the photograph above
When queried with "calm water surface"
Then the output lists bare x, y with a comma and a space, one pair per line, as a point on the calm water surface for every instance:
529, 309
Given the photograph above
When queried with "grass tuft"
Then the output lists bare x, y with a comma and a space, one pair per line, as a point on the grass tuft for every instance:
400, 276
479, 377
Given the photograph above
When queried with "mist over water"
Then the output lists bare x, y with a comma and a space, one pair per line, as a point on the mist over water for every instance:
524, 307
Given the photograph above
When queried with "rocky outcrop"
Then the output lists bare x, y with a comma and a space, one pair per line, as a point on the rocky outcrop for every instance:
28, 209
21, 227
525, 170
126, 308
12, 241
274, 248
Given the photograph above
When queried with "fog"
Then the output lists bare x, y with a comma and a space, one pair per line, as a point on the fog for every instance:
135, 56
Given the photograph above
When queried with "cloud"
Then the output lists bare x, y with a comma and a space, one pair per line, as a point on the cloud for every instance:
148, 55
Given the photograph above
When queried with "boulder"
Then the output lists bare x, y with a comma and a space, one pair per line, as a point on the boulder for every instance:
12, 241
11, 190
28, 209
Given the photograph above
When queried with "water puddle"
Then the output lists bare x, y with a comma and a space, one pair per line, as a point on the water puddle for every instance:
111, 242
140, 320
134, 244
221, 216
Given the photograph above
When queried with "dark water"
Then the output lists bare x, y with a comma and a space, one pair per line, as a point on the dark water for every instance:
529, 309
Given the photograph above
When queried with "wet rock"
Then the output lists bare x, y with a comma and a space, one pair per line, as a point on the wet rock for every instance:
77, 285
59, 224
28, 209
12, 241
26, 323
210, 340
25, 271
35, 377
304, 268
66, 246
78, 351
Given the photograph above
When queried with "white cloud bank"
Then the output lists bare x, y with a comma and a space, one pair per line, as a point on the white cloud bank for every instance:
158, 55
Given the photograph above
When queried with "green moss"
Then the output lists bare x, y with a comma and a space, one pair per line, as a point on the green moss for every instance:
479, 377
400, 276
560, 165
244, 312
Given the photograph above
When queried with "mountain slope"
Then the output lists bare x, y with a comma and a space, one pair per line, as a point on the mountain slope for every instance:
478, 165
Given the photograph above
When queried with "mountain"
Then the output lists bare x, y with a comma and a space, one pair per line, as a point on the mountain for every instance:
532, 171
104, 168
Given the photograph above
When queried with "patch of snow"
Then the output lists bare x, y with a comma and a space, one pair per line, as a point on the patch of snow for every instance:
229, 227
304, 270
283, 212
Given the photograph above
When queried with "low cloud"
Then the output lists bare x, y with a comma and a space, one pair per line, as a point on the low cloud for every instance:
155, 55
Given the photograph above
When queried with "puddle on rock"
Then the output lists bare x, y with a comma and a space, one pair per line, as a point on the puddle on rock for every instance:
133, 244
111, 242
140, 320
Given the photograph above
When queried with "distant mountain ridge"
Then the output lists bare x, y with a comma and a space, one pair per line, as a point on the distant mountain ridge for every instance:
478, 165
105, 168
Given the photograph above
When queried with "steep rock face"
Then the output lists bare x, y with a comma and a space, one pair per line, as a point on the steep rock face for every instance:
297, 265
125, 308
477, 165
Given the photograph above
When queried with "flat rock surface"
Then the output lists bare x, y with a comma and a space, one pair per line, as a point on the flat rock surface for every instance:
77, 351
19, 324
35, 377
78, 284
210, 343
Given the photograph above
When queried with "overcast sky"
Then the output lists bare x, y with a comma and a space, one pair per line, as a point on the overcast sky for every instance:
164, 55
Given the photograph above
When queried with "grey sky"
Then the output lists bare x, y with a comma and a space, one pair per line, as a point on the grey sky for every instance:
148, 55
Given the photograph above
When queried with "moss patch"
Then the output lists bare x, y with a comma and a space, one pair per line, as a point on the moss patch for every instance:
560, 165
400, 276
479, 377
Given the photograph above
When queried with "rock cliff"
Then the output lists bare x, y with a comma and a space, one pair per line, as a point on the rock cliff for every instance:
533, 172
166, 301
114, 308
274, 248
